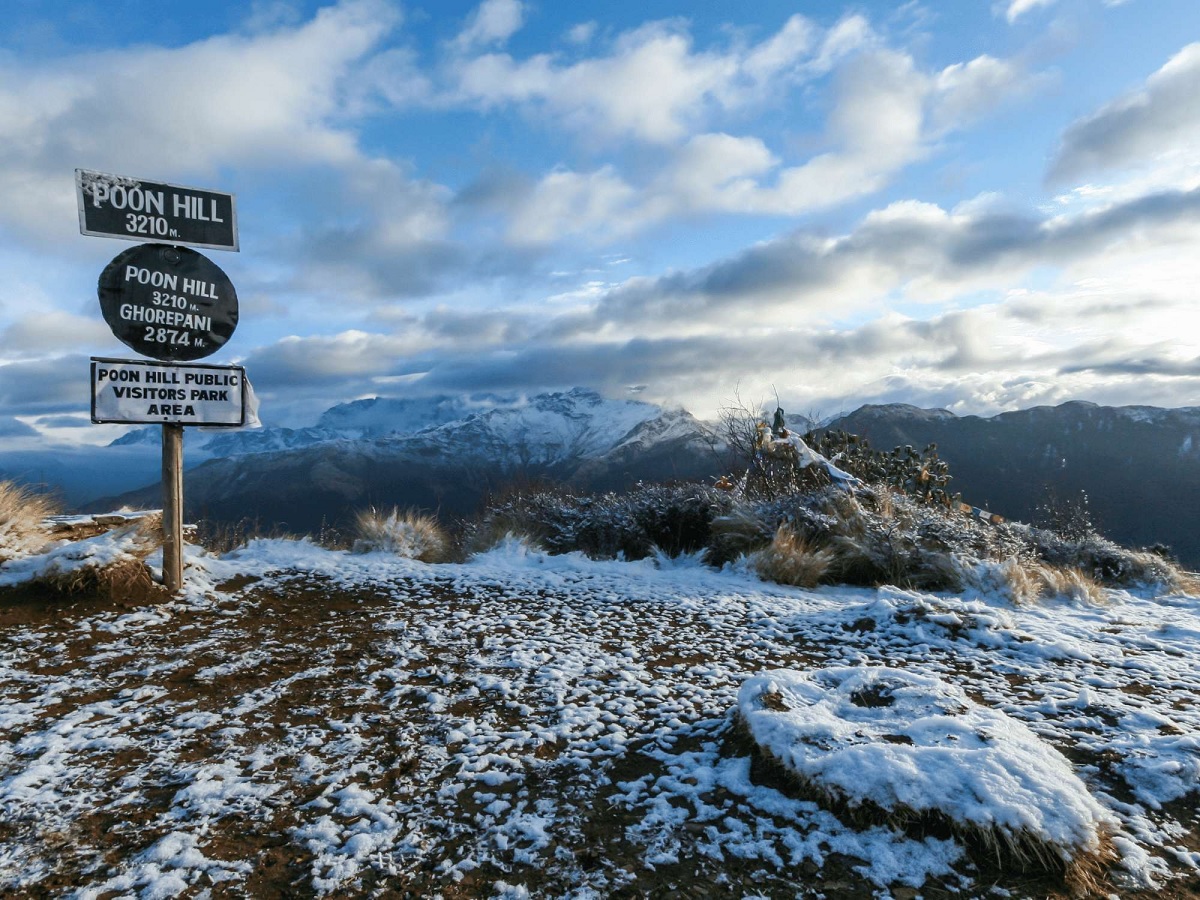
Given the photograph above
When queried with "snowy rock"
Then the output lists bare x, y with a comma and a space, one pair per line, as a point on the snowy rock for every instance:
877, 738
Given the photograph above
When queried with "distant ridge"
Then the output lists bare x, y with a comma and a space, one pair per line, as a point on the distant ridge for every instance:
1138, 465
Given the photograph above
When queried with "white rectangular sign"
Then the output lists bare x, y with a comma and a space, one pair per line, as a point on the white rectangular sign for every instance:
138, 392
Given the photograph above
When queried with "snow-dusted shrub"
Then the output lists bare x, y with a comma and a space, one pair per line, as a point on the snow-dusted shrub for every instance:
404, 533
790, 559
1106, 562
882, 745
764, 474
22, 520
921, 475
880, 536
676, 518
873, 536
741, 531
877, 535
671, 518
110, 565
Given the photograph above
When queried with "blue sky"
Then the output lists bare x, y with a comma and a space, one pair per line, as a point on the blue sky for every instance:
976, 205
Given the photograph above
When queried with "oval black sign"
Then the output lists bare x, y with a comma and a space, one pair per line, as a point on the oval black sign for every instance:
169, 303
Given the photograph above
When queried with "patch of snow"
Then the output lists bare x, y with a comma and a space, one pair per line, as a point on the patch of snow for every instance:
904, 742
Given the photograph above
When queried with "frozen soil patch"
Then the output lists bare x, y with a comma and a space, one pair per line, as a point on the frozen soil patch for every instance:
306, 722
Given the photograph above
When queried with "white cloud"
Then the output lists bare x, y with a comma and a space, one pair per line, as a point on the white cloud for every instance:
885, 115
566, 203
493, 22
651, 88
51, 332
802, 313
582, 33
1018, 8
269, 99
714, 172
1157, 121
909, 251
970, 90
351, 353
782, 50
653, 85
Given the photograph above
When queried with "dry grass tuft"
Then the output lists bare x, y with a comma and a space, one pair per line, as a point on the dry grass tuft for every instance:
22, 520
491, 535
790, 559
1070, 583
149, 533
1147, 567
122, 577
739, 532
405, 533
1010, 578
1027, 583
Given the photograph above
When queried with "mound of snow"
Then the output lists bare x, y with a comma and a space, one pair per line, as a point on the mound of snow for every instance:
910, 744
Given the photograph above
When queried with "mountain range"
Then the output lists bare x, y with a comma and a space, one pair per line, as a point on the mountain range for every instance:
443, 454
1138, 467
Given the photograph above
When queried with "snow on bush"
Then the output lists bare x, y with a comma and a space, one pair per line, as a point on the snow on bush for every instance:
22, 520
890, 744
109, 564
408, 534
670, 518
877, 535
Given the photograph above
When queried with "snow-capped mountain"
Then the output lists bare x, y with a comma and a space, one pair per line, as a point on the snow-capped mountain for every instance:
363, 453
545, 430
382, 416
514, 430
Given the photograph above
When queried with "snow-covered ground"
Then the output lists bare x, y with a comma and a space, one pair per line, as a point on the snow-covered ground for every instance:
314, 722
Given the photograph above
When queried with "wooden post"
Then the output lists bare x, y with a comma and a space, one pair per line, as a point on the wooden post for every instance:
172, 481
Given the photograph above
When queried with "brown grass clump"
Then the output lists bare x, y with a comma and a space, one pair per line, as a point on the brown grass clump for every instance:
124, 578
405, 533
790, 559
1146, 567
492, 532
22, 520
1026, 583
1070, 583
1011, 578
128, 580
485, 541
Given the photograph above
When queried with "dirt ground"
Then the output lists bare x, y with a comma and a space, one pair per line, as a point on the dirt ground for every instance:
258, 719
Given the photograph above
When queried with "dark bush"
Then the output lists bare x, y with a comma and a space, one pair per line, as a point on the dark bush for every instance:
922, 475
674, 518
899, 527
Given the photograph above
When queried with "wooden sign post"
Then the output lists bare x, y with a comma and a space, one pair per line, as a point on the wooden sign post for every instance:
171, 304
172, 480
